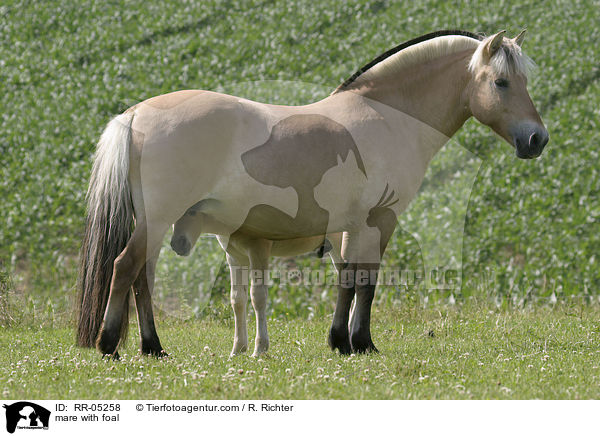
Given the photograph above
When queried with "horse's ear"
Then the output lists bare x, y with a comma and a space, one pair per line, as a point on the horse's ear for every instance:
493, 44
520, 37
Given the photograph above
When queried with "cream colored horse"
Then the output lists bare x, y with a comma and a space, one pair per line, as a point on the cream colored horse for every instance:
258, 175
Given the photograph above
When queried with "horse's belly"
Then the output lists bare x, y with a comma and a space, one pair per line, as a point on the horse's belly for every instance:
271, 223
274, 217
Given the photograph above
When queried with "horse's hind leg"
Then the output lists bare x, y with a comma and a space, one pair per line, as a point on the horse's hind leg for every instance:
150, 343
259, 251
239, 302
127, 267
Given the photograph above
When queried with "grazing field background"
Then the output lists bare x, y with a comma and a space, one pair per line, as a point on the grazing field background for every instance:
527, 233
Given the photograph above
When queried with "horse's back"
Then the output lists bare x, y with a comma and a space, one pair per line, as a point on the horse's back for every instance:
278, 172
188, 146
173, 113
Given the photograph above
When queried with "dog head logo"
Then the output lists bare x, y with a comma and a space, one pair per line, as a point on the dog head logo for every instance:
26, 415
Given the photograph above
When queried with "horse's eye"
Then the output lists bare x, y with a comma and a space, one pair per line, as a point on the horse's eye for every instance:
501, 83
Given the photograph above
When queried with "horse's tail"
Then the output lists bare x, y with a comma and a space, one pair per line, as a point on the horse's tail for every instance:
109, 224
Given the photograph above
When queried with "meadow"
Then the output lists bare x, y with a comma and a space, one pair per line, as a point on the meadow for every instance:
522, 234
477, 352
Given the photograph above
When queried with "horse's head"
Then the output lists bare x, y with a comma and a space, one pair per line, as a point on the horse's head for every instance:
498, 95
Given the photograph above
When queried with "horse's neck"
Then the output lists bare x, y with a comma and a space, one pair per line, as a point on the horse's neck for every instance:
433, 93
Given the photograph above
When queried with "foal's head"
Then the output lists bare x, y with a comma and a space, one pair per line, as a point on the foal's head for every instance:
498, 94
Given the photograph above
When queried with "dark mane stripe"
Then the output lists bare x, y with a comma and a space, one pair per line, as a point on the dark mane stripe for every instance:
404, 45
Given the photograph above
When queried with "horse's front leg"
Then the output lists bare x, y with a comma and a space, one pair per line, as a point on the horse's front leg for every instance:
361, 252
364, 288
338, 333
259, 252
351, 327
339, 339
239, 302
351, 332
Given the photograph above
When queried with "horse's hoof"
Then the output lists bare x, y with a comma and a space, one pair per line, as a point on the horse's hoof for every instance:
261, 346
338, 339
154, 352
238, 349
152, 347
258, 354
365, 350
363, 344
107, 342
114, 356
161, 354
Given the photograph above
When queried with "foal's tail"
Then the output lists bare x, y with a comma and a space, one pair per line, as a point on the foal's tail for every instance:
108, 227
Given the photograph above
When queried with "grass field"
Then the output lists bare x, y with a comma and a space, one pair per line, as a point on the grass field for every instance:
476, 352
526, 234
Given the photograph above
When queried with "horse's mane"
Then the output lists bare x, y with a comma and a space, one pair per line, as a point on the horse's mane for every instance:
432, 45
386, 58
509, 59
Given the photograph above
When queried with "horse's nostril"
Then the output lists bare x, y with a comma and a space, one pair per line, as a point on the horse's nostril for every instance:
533, 140
537, 141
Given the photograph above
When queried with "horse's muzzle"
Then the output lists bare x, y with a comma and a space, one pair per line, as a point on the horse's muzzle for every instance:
529, 140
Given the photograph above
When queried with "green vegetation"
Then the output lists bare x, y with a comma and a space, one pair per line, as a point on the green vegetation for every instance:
5, 310
530, 234
474, 352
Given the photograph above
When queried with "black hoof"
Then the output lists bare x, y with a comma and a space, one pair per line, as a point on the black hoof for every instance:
154, 351
339, 339
151, 346
363, 344
107, 342
114, 356
181, 245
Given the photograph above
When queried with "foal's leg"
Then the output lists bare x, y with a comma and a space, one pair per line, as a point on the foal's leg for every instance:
239, 302
258, 252
142, 289
127, 267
